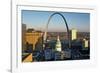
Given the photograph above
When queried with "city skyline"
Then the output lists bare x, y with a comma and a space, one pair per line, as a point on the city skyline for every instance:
38, 20
56, 45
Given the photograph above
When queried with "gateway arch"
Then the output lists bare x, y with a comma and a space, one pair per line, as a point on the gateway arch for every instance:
45, 34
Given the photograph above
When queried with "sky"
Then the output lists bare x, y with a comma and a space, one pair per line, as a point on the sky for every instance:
39, 19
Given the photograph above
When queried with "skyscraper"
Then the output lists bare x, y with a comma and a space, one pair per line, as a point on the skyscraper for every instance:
73, 34
34, 39
23, 37
86, 43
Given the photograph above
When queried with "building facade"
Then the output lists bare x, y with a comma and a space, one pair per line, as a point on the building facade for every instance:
33, 38
23, 36
73, 34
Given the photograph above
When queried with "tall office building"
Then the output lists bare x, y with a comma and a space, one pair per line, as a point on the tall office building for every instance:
73, 34
34, 39
23, 36
58, 44
86, 45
